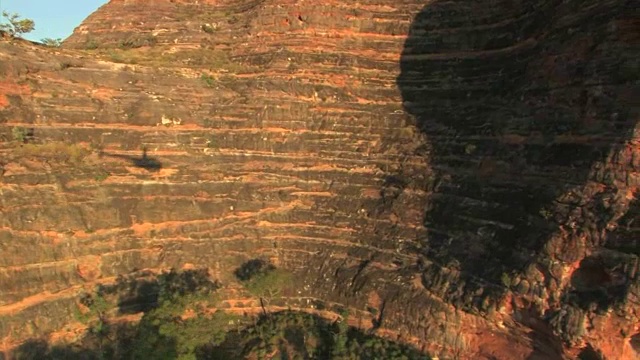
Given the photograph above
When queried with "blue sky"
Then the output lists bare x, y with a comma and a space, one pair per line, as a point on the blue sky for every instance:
54, 19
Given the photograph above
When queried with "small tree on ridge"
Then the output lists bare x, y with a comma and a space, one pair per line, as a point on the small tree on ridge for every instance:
16, 25
51, 42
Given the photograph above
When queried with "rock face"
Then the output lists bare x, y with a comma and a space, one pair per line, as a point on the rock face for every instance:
462, 175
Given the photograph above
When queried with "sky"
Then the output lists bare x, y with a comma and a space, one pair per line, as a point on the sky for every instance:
54, 19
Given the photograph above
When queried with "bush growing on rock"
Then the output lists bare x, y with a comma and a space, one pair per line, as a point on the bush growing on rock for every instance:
19, 134
59, 151
51, 42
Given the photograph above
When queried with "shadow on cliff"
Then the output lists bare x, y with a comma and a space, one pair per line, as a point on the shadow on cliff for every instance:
111, 344
143, 291
518, 104
145, 162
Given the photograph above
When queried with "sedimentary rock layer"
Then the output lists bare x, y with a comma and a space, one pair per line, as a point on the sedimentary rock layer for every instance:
467, 169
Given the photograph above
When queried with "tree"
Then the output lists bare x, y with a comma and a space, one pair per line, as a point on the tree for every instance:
268, 284
16, 25
263, 280
51, 42
164, 332
341, 337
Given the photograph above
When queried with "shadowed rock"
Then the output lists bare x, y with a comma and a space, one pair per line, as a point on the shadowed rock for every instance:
519, 107
144, 162
527, 116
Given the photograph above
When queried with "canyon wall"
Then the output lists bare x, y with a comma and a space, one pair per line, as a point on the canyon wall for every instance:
463, 176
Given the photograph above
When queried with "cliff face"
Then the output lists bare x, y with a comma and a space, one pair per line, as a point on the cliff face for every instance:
464, 176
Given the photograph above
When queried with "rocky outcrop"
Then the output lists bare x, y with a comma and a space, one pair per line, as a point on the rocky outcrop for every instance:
462, 176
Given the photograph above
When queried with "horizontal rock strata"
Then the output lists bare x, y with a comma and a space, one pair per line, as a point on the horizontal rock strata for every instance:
470, 171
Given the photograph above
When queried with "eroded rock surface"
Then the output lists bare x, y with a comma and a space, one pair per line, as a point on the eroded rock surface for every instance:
462, 175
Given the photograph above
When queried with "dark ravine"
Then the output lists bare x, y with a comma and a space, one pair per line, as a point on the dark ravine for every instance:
468, 170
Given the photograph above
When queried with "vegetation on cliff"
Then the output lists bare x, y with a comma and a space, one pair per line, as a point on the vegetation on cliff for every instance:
282, 335
181, 322
262, 279
472, 184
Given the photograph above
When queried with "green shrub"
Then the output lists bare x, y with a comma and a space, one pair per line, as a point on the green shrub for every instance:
54, 150
102, 175
506, 279
19, 134
91, 44
268, 284
51, 42
208, 80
